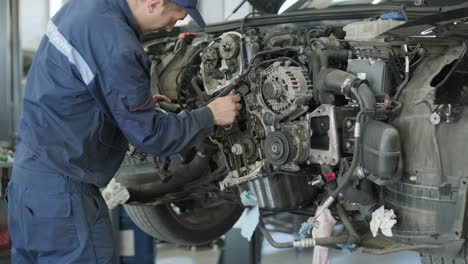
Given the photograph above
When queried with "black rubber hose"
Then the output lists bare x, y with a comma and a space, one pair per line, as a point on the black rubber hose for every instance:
344, 219
270, 239
364, 93
335, 81
314, 63
338, 82
363, 195
196, 86
262, 53
331, 80
396, 111
402, 86
320, 60
349, 173
348, 176
272, 51
326, 55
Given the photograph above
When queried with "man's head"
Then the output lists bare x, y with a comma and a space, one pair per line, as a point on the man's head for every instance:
162, 14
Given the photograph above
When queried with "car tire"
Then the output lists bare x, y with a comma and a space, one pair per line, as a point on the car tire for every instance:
163, 224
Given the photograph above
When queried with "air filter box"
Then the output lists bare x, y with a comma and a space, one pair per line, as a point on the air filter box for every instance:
374, 71
381, 152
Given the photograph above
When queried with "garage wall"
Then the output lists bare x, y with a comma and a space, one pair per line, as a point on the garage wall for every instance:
10, 73
5, 76
34, 16
230, 5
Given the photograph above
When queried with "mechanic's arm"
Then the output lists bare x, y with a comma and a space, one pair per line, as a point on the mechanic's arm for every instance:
127, 88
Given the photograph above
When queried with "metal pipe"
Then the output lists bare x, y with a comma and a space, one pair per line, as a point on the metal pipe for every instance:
325, 241
310, 242
270, 239
352, 238
332, 241
402, 86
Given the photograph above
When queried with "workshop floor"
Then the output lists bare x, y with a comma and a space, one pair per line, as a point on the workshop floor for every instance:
169, 254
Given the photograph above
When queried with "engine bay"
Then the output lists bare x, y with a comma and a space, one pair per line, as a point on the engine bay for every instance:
329, 117
307, 107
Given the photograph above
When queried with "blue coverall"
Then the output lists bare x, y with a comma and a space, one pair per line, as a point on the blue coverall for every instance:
88, 92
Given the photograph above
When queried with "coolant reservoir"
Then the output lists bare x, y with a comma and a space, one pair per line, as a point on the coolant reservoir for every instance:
369, 30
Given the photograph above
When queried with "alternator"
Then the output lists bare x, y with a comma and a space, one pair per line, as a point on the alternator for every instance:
284, 86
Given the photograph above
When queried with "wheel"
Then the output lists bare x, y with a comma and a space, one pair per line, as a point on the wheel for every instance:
186, 223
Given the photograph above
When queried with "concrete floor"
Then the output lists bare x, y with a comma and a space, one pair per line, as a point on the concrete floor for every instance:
169, 254
180, 256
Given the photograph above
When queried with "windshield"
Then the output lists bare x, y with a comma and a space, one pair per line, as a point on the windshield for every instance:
291, 5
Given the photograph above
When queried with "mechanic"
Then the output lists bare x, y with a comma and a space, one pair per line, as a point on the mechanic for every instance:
88, 92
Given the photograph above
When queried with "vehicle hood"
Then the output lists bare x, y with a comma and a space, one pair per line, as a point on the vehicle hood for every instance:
319, 4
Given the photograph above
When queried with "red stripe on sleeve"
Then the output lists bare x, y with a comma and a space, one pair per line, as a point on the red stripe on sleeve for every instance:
139, 108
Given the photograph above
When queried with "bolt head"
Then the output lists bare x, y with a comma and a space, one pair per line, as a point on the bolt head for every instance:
348, 145
275, 148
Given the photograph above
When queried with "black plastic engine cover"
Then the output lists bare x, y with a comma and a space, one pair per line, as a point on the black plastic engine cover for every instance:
381, 151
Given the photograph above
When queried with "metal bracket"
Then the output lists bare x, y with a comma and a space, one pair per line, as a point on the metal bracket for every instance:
134, 153
233, 178
331, 156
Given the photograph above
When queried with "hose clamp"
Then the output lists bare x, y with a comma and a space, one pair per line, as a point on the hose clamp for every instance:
354, 85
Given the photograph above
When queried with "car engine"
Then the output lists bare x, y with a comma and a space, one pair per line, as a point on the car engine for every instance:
301, 116
330, 116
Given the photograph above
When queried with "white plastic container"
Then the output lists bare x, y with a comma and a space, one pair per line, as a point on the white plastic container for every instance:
369, 30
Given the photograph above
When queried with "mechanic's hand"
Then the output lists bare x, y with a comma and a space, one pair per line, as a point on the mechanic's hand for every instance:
225, 109
161, 98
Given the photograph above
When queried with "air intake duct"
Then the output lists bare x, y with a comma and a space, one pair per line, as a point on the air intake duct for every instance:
381, 151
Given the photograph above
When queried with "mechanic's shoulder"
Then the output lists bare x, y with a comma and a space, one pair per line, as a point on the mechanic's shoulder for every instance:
113, 31
111, 38
102, 26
